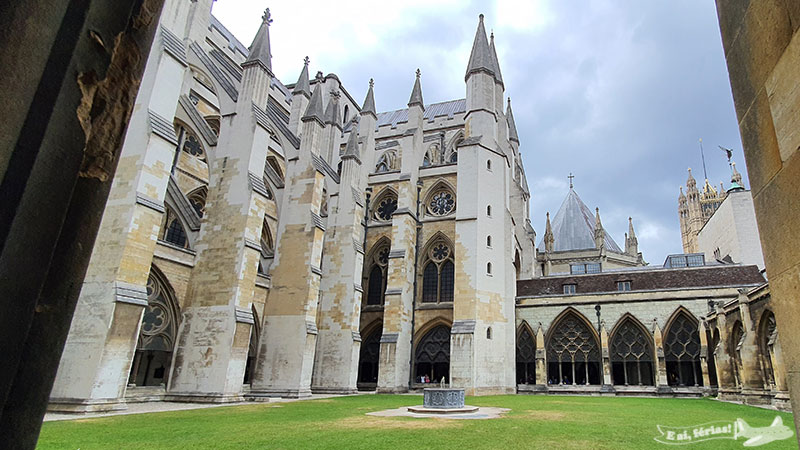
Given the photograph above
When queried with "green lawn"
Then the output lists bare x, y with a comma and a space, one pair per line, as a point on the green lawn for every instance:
552, 422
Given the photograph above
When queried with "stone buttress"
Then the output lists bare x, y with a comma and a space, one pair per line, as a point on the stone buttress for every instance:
339, 314
289, 332
395, 351
211, 350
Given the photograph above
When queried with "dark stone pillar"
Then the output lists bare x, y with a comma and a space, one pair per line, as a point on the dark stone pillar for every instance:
75, 68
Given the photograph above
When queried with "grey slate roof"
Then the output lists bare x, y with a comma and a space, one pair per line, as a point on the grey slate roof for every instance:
480, 59
573, 227
432, 111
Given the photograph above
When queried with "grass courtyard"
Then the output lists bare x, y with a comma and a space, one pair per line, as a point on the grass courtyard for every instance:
553, 422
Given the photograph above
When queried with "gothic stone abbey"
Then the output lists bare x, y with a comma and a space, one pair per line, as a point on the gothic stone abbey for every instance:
265, 239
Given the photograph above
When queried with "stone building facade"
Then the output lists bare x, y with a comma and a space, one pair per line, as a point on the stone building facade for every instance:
267, 239
272, 239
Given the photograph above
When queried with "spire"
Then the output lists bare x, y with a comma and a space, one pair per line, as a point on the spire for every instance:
259, 49
599, 232
314, 110
351, 150
512, 127
302, 86
480, 59
736, 177
549, 240
682, 196
493, 53
631, 243
369, 101
691, 182
332, 111
416, 93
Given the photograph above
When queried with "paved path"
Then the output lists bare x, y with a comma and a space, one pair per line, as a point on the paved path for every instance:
160, 406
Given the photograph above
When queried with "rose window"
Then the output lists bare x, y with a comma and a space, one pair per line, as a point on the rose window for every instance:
440, 252
386, 208
442, 203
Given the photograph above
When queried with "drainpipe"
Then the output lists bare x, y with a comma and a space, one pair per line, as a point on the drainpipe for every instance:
414, 296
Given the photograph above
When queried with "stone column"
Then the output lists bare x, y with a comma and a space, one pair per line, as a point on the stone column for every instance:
751, 374
97, 357
662, 385
704, 357
606, 360
541, 361
724, 361
287, 344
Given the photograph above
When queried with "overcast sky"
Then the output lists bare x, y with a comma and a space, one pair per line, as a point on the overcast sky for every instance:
618, 93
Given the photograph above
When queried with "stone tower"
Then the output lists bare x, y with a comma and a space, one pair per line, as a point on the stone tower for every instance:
696, 207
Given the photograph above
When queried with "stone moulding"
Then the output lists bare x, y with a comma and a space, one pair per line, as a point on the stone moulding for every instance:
130, 293
244, 315
389, 338
151, 203
161, 127
463, 327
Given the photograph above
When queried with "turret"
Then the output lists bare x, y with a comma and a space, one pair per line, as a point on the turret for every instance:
549, 239
257, 68
513, 137
416, 106
300, 96
481, 119
369, 119
333, 128
631, 243
599, 232
313, 123
736, 177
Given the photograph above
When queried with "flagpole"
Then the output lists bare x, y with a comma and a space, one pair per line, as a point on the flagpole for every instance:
703, 157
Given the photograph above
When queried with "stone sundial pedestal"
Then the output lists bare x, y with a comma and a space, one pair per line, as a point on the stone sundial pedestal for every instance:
443, 401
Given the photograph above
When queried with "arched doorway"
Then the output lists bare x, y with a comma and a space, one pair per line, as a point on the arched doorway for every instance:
252, 347
432, 355
526, 356
573, 353
682, 352
369, 359
153, 356
631, 354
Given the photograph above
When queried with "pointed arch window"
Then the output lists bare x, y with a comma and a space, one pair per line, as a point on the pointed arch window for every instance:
573, 355
369, 357
526, 356
438, 274
172, 230
377, 275
432, 355
189, 142
682, 352
631, 355
387, 162
198, 200
157, 334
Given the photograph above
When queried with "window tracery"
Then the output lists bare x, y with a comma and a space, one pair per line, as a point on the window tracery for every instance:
631, 355
438, 274
432, 355
376, 280
682, 352
385, 206
198, 200
387, 162
573, 355
526, 357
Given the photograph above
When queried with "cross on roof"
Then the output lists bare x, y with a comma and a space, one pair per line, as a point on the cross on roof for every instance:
571, 176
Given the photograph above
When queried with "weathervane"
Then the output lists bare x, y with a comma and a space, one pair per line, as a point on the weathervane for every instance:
729, 152
571, 176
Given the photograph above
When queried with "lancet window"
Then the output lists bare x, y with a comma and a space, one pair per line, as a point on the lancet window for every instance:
526, 357
438, 274
573, 355
682, 352
376, 280
631, 355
